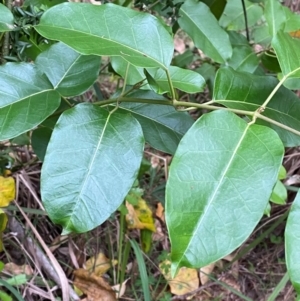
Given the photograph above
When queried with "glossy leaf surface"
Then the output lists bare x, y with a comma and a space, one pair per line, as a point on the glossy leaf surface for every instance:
39, 140
292, 244
182, 79
109, 30
215, 194
287, 51
212, 39
185, 80
243, 59
6, 19
26, 99
92, 161
216, 6
163, 126
233, 16
275, 16
69, 72
244, 91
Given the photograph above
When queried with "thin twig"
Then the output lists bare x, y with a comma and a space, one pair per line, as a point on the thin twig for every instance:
53, 269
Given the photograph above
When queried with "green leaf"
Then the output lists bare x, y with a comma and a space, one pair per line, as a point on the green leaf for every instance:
26, 99
215, 194
91, 163
237, 39
69, 72
287, 51
111, 30
292, 244
233, 16
163, 126
216, 6
208, 72
6, 19
212, 40
279, 194
134, 74
282, 173
184, 59
40, 139
243, 59
275, 16
182, 79
244, 91
270, 62
261, 35
185, 80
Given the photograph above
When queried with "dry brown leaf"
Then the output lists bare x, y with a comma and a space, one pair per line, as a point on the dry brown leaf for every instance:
186, 280
160, 212
93, 286
205, 271
120, 289
15, 269
101, 266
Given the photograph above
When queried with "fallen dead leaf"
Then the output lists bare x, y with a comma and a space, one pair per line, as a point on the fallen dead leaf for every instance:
160, 212
186, 280
95, 287
101, 266
120, 288
205, 271
15, 269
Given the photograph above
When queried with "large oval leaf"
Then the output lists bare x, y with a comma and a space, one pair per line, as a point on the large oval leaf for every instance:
292, 244
221, 178
6, 19
212, 40
109, 30
69, 72
91, 163
244, 91
26, 99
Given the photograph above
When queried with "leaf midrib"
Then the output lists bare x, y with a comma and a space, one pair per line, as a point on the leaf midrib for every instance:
106, 39
207, 207
89, 170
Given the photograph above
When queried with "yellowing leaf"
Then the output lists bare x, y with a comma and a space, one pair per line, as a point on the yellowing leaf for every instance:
3, 223
186, 280
101, 266
7, 191
295, 34
139, 216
